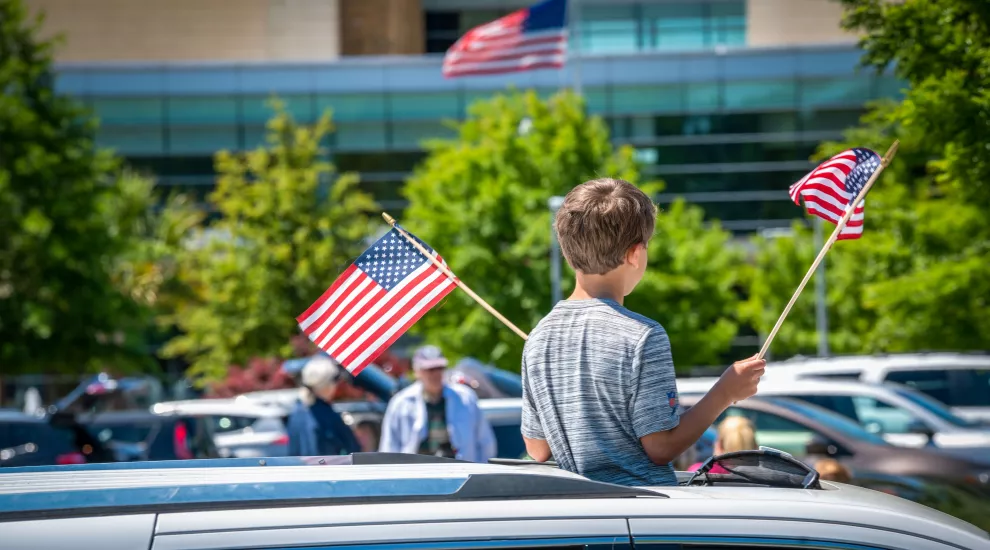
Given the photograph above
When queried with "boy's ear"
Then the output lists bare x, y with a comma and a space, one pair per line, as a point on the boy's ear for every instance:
633, 255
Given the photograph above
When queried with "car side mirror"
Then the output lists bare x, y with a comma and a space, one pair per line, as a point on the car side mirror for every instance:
820, 446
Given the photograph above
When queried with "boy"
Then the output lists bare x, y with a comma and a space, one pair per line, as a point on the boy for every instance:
599, 393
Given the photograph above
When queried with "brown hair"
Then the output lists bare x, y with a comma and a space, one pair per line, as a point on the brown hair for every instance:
830, 469
736, 433
600, 221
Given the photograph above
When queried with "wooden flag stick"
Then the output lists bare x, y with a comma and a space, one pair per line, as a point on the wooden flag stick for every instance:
458, 282
828, 245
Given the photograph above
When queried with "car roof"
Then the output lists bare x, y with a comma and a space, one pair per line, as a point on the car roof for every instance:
901, 361
501, 403
232, 407
771, 385
218, 498
12, 415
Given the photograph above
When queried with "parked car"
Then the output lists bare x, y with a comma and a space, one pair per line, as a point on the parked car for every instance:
143, 435
812, 433
959, 380
29, 440
380, 501
899, 414
240, 429
487, 381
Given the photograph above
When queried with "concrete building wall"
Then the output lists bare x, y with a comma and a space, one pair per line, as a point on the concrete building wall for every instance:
794, 22
193, 30
381, 27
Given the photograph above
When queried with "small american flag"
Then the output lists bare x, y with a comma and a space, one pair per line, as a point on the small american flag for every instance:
828, 189
375, 300
527, 39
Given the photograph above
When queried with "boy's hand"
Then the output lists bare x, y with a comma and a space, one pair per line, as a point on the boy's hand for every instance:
741, 379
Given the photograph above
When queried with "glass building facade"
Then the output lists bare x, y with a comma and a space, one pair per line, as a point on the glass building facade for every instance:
725, 126
617, 27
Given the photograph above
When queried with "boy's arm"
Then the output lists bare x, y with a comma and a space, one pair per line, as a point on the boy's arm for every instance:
664, 435
532, 429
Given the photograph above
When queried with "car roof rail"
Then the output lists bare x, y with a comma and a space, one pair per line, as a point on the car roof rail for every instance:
389, 459
764, 467
520, 462
76, 492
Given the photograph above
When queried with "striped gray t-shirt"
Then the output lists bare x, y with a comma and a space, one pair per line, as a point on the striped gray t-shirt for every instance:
596, 378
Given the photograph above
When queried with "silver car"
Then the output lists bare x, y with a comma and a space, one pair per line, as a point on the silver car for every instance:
240, 429
378, 501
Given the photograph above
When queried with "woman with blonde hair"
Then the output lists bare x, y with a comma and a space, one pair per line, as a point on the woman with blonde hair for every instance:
830, 469
735, 433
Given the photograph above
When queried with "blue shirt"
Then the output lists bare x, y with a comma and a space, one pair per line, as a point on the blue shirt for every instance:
318, 430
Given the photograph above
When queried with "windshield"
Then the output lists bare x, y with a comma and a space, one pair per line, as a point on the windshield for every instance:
831, 420
933, 406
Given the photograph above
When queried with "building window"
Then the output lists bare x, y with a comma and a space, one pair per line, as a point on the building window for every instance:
443, 28
629, 27
668, 26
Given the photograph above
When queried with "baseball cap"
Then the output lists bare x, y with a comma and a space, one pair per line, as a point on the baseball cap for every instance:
320, 371
428, 357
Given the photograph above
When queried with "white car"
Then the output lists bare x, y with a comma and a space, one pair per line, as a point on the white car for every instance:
378, 501
961, 381
240, 429
901, 415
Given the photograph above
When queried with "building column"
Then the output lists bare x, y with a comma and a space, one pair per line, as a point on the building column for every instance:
381, 27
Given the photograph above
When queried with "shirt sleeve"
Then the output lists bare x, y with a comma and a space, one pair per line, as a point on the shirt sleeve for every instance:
531, 426
654, 403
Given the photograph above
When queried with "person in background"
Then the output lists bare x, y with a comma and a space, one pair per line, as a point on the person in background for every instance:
735, 433
830, 469
314, 428
432, 417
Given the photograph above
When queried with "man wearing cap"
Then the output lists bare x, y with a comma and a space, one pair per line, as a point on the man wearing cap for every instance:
434, 418
314, 428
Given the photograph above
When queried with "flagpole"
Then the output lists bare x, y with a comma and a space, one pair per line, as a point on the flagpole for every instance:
391, 221
574, 32
828, 245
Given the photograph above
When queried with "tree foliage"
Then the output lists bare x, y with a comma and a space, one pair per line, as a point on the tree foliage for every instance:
67, 214
289, 224
481, 201
918, 279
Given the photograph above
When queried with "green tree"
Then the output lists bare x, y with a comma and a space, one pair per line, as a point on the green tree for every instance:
934, 236
289, 224
481, 200
918, 279
942, 49
66, 216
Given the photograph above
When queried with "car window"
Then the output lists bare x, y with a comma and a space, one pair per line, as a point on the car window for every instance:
970, 388
229, 423
774, 431
841, 404
934, 407
838, 376
122, 433
831, 420
933, 382
879, 417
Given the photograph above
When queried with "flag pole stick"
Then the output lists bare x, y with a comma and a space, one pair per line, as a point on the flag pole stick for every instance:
391, 221
828, 244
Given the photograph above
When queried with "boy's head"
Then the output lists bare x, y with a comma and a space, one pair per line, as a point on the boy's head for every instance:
604, 226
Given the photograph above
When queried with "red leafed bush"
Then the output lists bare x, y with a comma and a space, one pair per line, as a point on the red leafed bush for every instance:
259, 374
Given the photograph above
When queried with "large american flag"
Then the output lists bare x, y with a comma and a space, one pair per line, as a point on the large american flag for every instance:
527, 39
828, 189
375, 300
